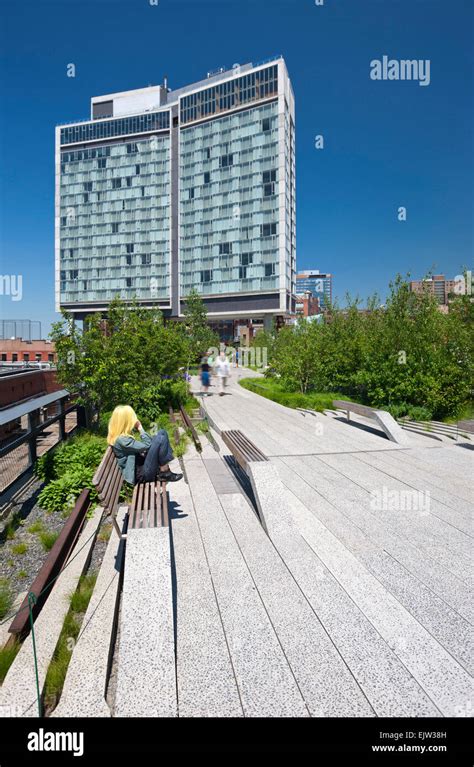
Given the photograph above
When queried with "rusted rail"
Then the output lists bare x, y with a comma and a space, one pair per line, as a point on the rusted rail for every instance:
189, 425
52, 566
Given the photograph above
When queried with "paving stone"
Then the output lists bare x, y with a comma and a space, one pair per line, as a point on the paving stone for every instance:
146, 680
18, 693
84, 687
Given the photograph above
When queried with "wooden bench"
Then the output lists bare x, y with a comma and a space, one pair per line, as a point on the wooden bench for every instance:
386, 421
149, 507
243, 450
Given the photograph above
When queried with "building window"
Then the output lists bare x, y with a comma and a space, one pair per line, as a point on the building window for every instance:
146, 259
38, 356
132, 148
128, 282
226, 160
268, 176
26, 357
246, 259
14, 357
269, 270
116, 183
86, 198
266, 230
225, 248
85, 285
4, 357
128, 260
130, 247
265, 124
191, 193
71, 252
206, 275
88, 186
115, 228
242, 272
50, 357
73, 274
208, 153
268, 190
102, 162
207, 177
137, 170
143, 191
129, 181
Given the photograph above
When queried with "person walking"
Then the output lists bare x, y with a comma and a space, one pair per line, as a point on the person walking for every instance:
140, 460
222, 369
205, 377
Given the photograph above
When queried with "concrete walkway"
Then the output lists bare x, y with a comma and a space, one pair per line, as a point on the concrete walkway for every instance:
357, 601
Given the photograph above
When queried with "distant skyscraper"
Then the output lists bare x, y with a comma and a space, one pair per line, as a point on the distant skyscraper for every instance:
318, 283
164, 191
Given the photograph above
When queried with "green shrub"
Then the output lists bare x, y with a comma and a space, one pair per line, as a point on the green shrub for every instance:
6, 597
48, 539
154, 400
63, 492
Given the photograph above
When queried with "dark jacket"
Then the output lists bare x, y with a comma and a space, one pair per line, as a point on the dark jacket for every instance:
125, 450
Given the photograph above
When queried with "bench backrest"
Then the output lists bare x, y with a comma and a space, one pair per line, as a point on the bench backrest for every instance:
354, 407
108, 480
243, 450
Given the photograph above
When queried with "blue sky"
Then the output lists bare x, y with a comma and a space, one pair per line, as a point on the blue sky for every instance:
387, 143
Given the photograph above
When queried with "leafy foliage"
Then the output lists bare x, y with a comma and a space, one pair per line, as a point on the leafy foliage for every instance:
201, 337
69, 469
407, 356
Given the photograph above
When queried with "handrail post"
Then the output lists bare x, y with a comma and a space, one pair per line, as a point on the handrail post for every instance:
33, 422
62, 420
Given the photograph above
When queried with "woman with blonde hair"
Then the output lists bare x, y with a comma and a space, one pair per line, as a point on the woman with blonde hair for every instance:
140, 460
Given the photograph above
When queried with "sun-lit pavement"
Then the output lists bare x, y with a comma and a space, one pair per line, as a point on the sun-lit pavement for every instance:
358, 597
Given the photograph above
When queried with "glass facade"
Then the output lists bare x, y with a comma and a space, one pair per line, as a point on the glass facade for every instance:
94, 131
230, 94
318, 284
115, 221
206, 200
229, 203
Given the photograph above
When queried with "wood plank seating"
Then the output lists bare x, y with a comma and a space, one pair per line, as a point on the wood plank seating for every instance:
386, 422
149, 507
243, 450
466, 426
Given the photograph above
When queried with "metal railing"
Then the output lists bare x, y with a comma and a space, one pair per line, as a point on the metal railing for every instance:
30, 430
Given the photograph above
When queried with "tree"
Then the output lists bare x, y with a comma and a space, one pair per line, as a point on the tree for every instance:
115, 367
199, 334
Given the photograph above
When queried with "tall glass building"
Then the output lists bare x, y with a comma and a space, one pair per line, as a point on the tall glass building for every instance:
164, 191
318, 283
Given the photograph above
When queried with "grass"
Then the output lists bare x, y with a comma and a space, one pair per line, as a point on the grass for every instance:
80, 598
271, 389
105, 533
7, 656
48, 539
58, 667
6, 597
36, 527
22, 574
20, 548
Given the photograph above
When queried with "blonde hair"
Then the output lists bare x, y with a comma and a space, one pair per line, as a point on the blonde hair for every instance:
121, 423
